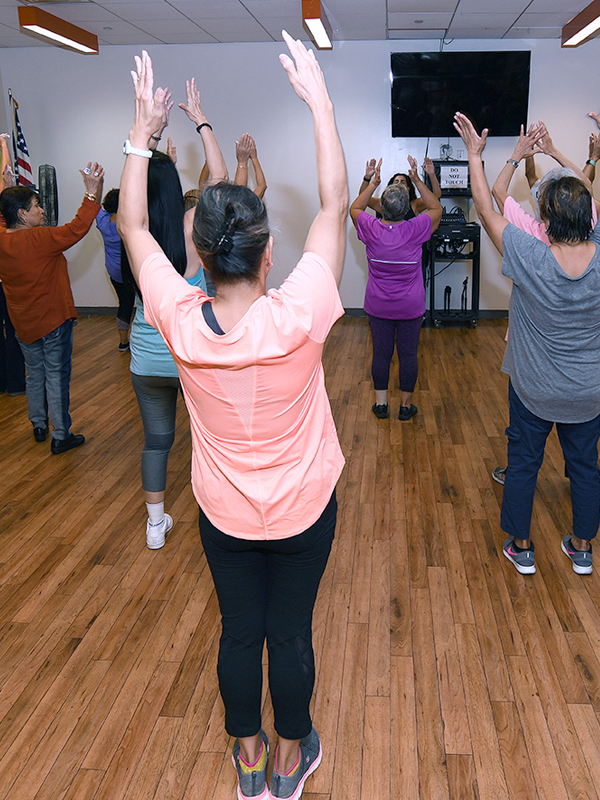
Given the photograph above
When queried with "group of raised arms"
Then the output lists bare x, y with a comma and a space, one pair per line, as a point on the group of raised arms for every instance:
265, 451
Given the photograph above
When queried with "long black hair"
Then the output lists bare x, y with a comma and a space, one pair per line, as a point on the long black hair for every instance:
165, 215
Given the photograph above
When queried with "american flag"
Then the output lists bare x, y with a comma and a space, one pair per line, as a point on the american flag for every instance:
23, 173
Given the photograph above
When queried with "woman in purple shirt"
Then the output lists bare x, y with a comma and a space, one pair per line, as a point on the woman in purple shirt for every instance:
395, 296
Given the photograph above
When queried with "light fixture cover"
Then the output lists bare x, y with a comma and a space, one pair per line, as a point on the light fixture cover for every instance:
58, 31
582, 27
316, 24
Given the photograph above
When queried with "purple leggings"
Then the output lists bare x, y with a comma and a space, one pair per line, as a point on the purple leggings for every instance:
405, 334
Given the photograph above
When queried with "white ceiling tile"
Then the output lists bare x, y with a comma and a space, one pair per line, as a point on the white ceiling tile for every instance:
78, 13
171, 26
513, 7
483, 21
570, 7
267, 8
138, 37
475, 33
419, 20
556, 20
534, 33
422, 6
211, 9
142, 11
293, 25
422, 34
232, 30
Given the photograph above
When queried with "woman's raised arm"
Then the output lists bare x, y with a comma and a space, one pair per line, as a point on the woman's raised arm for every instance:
132, 216
327, 235
214, 158
363, 201
493, 222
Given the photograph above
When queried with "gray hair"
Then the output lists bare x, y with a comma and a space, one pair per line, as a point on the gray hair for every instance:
553, 175
395, 203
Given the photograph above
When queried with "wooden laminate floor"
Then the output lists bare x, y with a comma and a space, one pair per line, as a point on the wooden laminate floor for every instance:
442, 672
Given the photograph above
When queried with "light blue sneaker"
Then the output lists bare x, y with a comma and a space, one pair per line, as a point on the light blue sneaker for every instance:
251, 785
289, 787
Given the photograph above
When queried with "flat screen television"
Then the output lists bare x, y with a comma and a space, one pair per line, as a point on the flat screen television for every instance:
491, 88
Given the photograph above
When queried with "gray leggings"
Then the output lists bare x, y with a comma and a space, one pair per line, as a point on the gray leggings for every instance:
157, 399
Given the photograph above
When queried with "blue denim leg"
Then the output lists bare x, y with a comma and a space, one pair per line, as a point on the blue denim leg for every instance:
527, 436
580, 447
48, 362
35, 383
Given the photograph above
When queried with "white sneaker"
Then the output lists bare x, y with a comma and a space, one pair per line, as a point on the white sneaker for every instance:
155, 534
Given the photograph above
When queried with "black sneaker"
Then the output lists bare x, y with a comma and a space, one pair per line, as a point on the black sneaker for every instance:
123, 347
524, 560
380, 410
62, 445
406, 412
40, 434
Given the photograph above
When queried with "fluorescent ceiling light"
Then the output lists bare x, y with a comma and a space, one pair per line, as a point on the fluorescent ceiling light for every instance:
316, 23
582, 27
58, 31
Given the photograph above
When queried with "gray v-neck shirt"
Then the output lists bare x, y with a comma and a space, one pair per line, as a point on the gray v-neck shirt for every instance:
553, 351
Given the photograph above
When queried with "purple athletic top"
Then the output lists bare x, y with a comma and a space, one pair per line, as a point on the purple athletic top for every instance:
395, 287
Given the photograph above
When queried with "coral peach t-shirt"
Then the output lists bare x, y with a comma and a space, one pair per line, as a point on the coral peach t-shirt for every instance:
266, 456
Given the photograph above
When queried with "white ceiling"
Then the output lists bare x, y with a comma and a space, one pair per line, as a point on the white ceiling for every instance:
201, 21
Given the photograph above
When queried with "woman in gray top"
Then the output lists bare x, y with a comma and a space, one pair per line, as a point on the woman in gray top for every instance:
552, 357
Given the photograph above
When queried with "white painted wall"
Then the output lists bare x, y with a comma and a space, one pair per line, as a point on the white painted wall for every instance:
74, 108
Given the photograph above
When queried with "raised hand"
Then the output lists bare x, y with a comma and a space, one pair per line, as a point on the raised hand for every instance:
304, 72
193, 107
371, 168
171, 150
376, 177
93, 178
475, 144
149, 105
9, 176
243, 148
594, 151
428, 166
529, 144
413, 171
167, 106
595, 117
252, 146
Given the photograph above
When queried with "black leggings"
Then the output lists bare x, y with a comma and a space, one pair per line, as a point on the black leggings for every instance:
126, 297
405, 334
267, 590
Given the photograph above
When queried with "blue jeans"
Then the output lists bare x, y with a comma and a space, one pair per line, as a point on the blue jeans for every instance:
48, 361
157, 399
267, 590
527, 436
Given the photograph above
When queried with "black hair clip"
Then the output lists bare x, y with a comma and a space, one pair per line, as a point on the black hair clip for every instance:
223, 241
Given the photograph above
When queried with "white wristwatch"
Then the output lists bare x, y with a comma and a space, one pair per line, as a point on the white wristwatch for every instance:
130, 150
